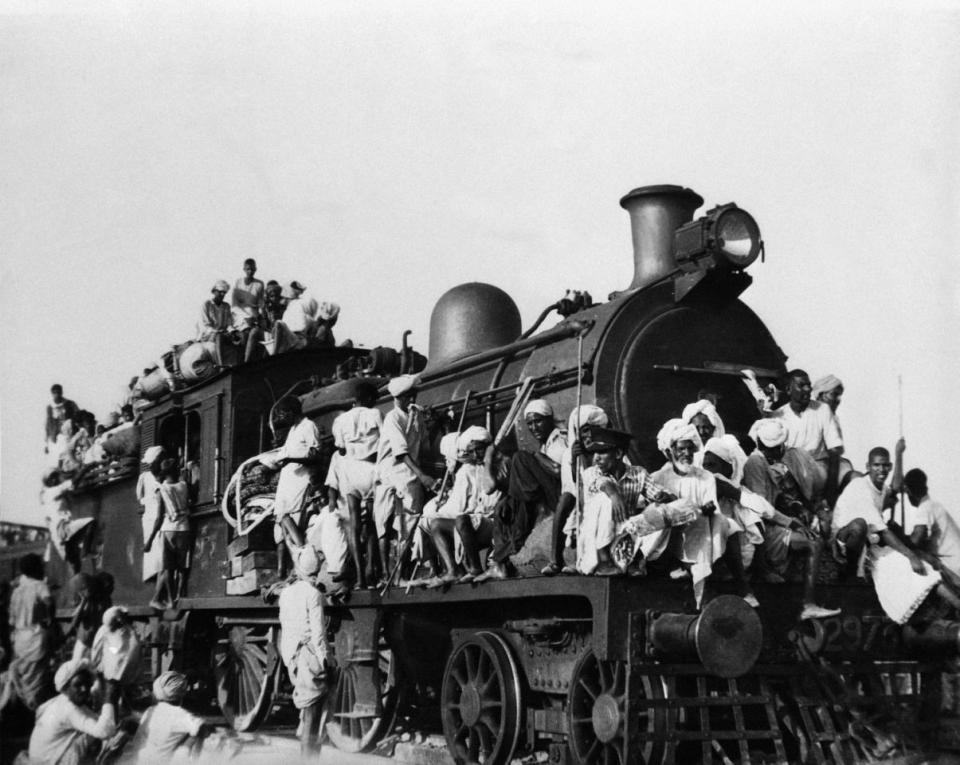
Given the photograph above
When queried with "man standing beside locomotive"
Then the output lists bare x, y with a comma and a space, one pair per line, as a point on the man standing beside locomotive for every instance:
402, 483
813, 445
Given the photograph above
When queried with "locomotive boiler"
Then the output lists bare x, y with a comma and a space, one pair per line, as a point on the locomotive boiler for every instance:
587, 669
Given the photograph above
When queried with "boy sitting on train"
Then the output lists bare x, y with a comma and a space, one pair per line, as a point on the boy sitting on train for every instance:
933, 530
467, 515
704, 540
423, 551
573, 461
295, 461
401, 491
767, 531
616, 497
533, 479
353, 475
173, 529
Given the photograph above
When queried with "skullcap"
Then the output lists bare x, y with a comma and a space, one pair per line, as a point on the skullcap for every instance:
707, 409
728, 449
677, 430
472, 434
825, 385
306, 561
402, 384
220, 286
295, 285
448, 447
151, 454
538, 406
111, 612
67, 671
588, 415
328, 311
170, 687
769, 431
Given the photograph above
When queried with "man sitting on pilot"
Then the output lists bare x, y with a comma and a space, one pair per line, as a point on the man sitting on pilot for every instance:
468, 511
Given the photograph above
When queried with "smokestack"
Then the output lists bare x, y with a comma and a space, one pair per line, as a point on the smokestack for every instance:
655, 213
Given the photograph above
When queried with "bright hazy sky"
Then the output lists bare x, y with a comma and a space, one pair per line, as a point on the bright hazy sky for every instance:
383, 152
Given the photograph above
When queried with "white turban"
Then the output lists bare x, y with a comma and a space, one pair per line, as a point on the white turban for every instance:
728, 449
152, 454
448, 448
825, 385
67, 671
220, 286
472, 434
402, 384
538, 406
111, 613
306, 561
768, 431
589, 415
170, 687
677, 430
708, 410
309, 306
328, 311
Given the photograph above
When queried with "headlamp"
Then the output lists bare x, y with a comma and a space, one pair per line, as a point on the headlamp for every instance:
726, 236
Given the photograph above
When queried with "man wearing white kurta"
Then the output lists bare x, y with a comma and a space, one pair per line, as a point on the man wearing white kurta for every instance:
353, 476
148, 495
303, 646
401, 481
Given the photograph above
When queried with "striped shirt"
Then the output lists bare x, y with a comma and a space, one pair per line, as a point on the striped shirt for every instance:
635, 486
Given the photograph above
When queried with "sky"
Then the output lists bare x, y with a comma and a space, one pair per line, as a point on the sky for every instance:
383, 152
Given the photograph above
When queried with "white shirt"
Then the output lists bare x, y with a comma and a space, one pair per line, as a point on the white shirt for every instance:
555, 446
358, 432
814, 430
176, 513
164, 729
401, 433
467, 497
861, 499
299, 315
301, 621
944, 532
247, 299
59, 725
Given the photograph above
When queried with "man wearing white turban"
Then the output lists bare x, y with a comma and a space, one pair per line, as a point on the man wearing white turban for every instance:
533, 480
468, 511
573, 461
402, 483
167, 732
66, 731
303, 643
766, 529
702, 414
705, 538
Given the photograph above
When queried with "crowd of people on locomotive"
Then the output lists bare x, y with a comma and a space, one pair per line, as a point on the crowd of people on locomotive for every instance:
793, 497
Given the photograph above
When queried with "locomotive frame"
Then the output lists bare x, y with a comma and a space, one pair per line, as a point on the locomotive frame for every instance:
593, 670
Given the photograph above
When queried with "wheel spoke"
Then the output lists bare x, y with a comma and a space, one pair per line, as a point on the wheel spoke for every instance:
587, 689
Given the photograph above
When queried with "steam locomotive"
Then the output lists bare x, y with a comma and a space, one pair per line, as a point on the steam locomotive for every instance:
587, 669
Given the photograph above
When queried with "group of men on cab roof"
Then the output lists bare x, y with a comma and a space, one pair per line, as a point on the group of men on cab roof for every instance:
266, 319
793, 496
